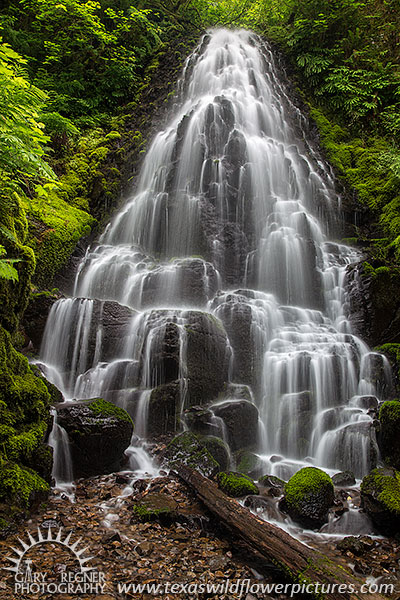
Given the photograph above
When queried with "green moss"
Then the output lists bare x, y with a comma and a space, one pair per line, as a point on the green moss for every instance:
236, 484
24, 414
386, 487
305, 482
103, 408
20, 485
389, 416
154, 507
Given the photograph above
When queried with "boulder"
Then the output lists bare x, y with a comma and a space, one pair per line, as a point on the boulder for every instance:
344, 479
389, 416
156, 507
99, 432
236, 485
241, 421
380, 498
309, 494
248, 463
218, 449
201, 420
186, 448
273, 486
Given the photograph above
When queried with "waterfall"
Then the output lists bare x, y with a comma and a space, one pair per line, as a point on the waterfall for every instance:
223, 268
62, 462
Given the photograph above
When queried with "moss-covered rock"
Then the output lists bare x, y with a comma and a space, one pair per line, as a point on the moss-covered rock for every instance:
218, 449
389, 416
99, 432
25, 419
308, 496
236, 484
380, 496
241, 420
186, 448
156, 507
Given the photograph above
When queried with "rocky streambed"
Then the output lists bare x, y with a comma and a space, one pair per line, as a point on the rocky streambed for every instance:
155, 532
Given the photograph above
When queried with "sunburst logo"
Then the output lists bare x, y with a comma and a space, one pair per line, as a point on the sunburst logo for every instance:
28, 581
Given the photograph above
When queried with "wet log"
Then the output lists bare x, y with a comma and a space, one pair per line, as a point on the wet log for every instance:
296, 562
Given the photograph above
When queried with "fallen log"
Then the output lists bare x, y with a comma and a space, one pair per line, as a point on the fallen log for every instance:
298, 563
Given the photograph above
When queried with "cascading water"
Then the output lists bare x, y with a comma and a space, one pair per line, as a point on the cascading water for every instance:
227, 239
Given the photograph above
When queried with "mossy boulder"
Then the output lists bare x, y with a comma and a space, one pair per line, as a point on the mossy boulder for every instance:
308, 496
389, 416
99, 432
218, 449
236, 484
380, 497
186, 448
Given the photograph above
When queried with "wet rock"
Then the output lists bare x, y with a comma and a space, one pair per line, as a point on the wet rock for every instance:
35, 315
191, 282
187, 449
207, 356
380, 493
356, 545
257, 503
273, 485
201, 420
249, 463
389, 416
164, 409
236, 484
218, 449
98, 432
309, 494
241, 421
373, 296
343, 479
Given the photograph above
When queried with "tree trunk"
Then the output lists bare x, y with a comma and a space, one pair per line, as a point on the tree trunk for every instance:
296, 562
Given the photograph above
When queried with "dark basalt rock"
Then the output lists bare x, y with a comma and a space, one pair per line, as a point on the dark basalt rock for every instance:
164, 409
99, 433
309, 494
196, 281
241, 421
380, 498
35, 316
344, 479
374, 302
356, 545
389, 416
201, 420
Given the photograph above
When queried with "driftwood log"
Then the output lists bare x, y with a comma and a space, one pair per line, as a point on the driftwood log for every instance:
297, 562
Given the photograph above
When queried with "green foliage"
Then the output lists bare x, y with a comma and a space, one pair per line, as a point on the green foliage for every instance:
20, 485
305, 482
236, 484
7, 271
385, 487
105, 409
